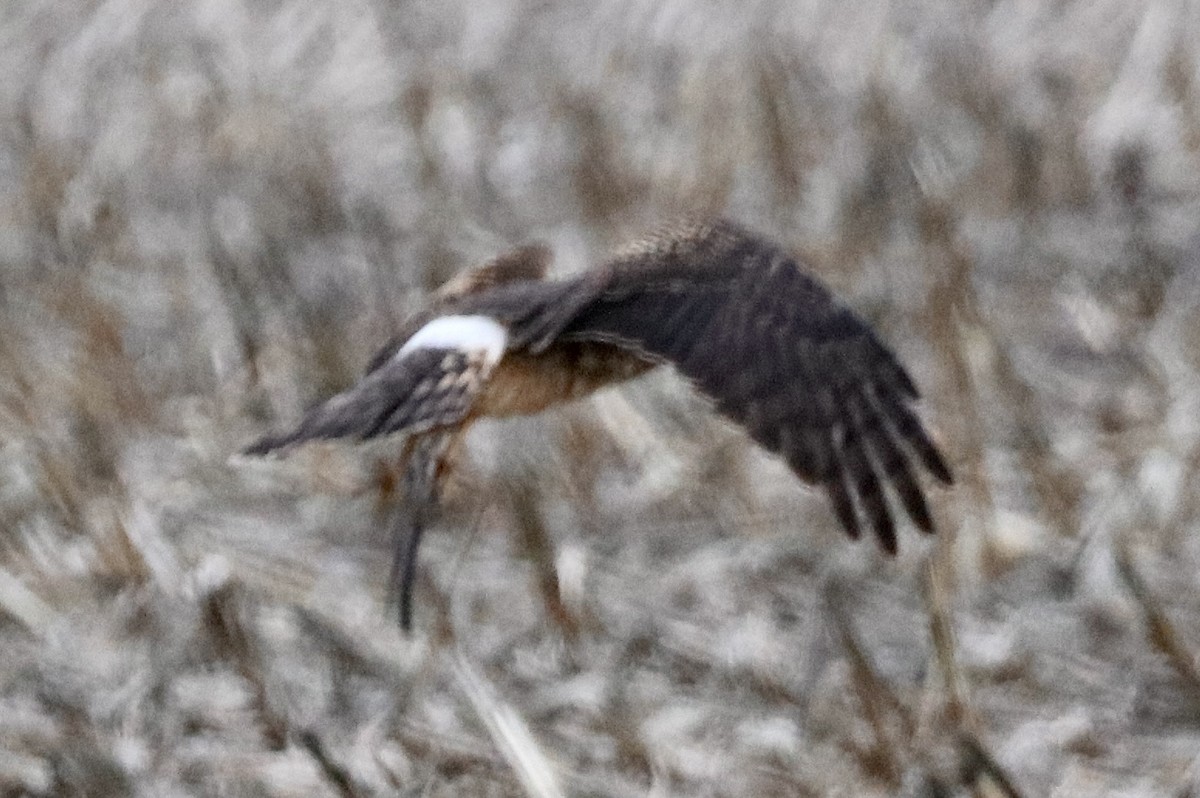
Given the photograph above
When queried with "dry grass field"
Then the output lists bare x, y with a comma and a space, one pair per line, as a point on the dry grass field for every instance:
212, 212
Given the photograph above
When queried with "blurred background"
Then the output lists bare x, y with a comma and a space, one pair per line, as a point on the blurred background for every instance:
211, 213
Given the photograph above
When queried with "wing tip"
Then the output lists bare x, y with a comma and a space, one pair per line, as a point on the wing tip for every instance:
935, 461
268, 444
886, 535
843, 505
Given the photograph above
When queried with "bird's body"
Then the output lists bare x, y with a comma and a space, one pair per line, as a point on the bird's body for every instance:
738, 317
532, 383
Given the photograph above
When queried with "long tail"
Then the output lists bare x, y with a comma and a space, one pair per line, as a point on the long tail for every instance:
422, 491
408, 532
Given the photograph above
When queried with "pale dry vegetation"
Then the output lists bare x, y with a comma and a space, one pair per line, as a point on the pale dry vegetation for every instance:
212, 212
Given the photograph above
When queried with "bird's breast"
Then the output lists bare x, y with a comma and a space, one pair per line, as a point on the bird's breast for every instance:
523, 384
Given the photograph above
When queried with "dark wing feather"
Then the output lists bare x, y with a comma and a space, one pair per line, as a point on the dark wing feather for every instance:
424, 389
780, 355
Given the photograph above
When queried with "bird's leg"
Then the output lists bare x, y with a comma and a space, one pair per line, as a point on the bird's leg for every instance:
537, 545
421, 491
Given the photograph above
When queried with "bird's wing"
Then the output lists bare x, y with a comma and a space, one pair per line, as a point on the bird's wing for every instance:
420, 387
779, 354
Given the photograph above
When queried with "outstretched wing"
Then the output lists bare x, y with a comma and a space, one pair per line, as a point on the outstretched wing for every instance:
432, 381
780, 355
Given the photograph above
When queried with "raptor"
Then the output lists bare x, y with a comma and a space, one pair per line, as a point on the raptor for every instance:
737, 316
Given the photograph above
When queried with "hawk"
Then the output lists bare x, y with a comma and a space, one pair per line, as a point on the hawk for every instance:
738, 317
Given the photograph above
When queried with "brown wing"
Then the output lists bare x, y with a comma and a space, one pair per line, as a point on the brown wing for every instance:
418, 391
780, 355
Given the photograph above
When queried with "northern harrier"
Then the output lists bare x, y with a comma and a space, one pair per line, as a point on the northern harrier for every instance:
737, 316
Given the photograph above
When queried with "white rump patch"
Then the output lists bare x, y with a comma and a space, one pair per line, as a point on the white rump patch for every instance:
463, 333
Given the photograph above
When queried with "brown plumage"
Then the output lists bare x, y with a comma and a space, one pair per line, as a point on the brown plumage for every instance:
737, 316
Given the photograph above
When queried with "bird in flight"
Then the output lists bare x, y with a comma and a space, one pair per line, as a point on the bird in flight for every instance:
739, 318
